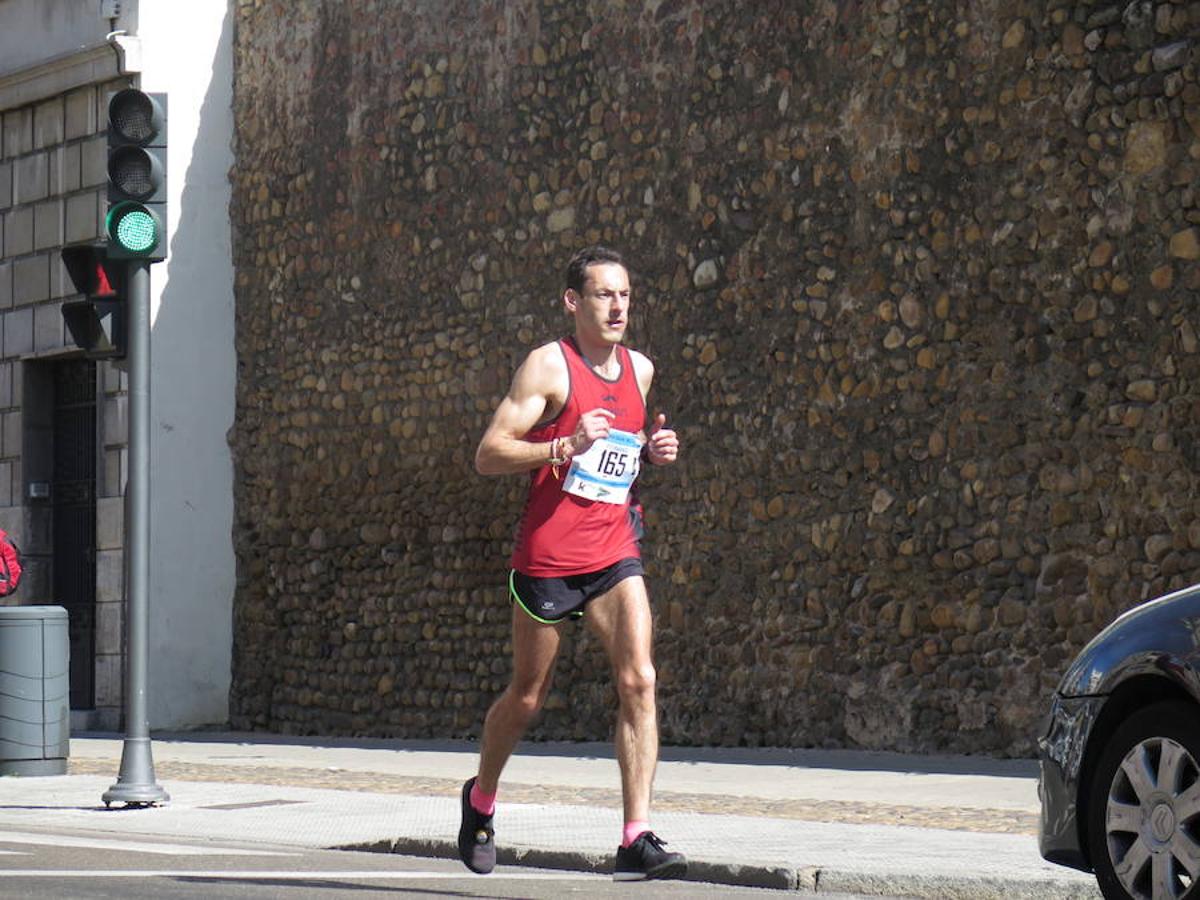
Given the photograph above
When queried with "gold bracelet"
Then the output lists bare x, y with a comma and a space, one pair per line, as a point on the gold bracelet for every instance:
557, 456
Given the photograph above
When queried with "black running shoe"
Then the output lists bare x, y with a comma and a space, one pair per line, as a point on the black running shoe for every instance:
476, 846
646, 858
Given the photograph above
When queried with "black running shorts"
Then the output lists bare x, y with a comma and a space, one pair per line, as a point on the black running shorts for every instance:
553, 600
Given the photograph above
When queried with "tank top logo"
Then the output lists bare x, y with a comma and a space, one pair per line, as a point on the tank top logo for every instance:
610, 403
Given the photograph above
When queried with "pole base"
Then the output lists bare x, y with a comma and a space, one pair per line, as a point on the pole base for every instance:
135, 795
135, 784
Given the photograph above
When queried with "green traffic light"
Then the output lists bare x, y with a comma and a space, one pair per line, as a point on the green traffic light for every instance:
133, 227
136, 231
136, 223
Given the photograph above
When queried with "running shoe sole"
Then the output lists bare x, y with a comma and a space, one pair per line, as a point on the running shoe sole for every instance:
672, 869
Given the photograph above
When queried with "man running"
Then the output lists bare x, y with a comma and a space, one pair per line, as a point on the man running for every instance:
575, 419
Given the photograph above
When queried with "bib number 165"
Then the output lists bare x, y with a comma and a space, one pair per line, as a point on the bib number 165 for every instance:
613, 462
606, 470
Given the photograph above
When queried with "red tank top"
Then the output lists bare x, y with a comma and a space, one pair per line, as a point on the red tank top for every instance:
560, 534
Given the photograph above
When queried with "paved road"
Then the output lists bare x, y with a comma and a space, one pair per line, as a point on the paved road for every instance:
86, 865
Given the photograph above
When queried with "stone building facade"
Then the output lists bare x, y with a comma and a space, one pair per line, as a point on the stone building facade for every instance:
64, 445
919, 280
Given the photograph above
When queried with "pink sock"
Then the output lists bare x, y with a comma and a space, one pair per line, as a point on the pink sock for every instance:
484, 804
633, 831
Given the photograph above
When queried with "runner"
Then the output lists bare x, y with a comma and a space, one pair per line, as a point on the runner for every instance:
575, 419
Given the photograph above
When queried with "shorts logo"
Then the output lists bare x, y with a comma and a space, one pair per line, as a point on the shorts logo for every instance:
547, 605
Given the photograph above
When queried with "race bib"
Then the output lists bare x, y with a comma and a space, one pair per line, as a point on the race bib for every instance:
607, 470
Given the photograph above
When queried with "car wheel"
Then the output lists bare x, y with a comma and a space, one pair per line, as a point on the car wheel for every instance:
1144, 806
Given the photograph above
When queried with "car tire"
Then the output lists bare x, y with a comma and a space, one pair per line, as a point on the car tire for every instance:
1143, 820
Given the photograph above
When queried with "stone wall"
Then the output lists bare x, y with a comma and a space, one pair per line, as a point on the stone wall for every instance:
919, 282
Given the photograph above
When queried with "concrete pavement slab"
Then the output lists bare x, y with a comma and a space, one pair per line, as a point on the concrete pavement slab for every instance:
843, 776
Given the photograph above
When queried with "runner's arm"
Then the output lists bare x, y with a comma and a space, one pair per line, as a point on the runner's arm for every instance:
662, 444
503, 449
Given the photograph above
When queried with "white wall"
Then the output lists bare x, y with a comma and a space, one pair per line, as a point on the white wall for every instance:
187, 53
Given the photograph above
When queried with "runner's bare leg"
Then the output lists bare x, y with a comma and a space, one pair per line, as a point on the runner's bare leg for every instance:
621, 619
535, 649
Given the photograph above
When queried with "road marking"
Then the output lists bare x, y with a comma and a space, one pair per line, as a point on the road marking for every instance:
57, 840
294, 876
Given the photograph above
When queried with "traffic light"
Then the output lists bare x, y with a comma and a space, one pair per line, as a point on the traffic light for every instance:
136, 223
98, 323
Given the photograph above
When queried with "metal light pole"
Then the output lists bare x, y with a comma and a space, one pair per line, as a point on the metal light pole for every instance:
135, 784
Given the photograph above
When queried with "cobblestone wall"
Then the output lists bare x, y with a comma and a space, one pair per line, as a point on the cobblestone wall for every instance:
919, 281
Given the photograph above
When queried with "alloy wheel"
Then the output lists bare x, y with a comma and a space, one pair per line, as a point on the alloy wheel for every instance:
1151, 820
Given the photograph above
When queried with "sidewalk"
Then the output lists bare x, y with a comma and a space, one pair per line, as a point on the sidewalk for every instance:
814, 821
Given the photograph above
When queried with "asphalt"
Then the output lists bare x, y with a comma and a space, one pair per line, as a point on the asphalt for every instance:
824, 822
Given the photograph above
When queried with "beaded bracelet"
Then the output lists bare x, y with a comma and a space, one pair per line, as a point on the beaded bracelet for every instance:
558, 455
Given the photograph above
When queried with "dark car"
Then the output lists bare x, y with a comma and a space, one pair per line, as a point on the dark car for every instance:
1120, 755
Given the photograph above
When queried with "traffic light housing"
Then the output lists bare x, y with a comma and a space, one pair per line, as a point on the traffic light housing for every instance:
99, 322
136, 223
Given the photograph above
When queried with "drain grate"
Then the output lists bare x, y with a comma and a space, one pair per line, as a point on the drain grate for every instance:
259, 805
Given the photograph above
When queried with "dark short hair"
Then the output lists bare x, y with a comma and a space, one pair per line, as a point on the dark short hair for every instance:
589, 256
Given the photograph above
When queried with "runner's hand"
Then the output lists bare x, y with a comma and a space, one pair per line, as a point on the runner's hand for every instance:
592, 426
662, 445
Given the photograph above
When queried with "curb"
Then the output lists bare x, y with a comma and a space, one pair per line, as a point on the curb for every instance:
778, 877
801, 879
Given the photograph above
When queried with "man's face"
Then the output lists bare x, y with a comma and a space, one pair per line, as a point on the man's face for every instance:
602, 308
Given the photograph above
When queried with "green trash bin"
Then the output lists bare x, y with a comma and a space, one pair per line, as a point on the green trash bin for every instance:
35, 705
